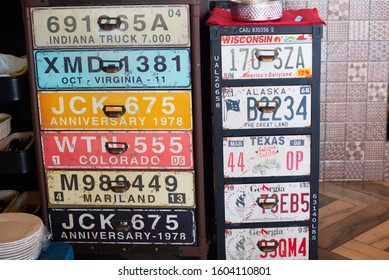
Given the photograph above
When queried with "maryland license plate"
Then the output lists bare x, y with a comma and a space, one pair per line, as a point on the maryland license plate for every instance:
266, 56
113, 26
117, 150
261, 156
123, 226
121, 188
266, 107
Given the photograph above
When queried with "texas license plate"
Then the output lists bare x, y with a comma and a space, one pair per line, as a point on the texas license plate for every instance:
121, 188
123, 226
117, 150
267, 202
266, 56
266, 107
113, 69
115, 110
115, 26
261, 156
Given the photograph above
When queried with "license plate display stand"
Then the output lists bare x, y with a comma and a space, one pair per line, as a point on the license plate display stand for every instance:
266, 94
116, 98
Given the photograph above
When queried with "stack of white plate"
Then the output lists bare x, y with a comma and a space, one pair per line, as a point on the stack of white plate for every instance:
21, 236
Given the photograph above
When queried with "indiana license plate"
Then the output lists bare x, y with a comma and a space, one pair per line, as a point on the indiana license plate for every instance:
123, 226
261, 156
121, 188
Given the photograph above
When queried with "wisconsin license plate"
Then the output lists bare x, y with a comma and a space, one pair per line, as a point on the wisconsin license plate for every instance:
140, 25
261, 156
123, 226
266, 107
121, 188
266, 56
113, 69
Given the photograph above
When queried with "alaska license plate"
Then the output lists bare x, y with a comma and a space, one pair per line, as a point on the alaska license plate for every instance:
287, 243
266, 107
267, 202
112, 69
121, 188
123, 226
262, 156
113, 26
115, 110
117, 150
266, 56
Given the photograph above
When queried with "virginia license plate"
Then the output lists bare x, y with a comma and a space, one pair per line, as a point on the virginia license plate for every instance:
121, 188
261, 156
267, 202
115, 110
266, 107
115, 26
113, 69
123, 226
118, 150
266, 56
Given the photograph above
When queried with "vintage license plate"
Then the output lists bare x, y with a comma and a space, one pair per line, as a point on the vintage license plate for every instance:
118, 150
123, 226
288, 243
115, 110
267, 202
266, 56
115, 26
121, 188
261, 156
112, 69
266, 107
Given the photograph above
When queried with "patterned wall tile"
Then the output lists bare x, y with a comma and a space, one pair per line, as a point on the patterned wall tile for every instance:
377, 92
334, 170
379, 10
386, 170
374, 150
337, 51
323, 92
334, 151
356, 92
337, 31
323, 107
358, 30
356, 112
323, 52
321, 170
295, 4
359, 9
354, 170
322, 150
338, 9
337, 71
355, 150
323, 132
357, 71
376, 131
376, 112
336, 112
335, 132
386, 156
355, 131
379, 51
358, 51
379, 31
336, 92
321, 6
323, 72
374, 170
378, 71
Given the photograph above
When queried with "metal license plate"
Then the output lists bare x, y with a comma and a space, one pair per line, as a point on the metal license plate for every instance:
113, 69
115, 26
261, 156
266, 107
287, 243
266, 56
123, 226
115, 110
121, 188
118, 150
267, 202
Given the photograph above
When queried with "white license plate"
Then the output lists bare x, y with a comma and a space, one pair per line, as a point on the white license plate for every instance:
121, 188
267, 202
266, 107
261, 156
141, 25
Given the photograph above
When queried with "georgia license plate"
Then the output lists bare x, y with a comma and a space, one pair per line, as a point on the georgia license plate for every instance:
121, 188
123, 226
115, 110
113, 69
141, 25
267, 202
118, 150
266, 107
262, 156
266, 56
289, 243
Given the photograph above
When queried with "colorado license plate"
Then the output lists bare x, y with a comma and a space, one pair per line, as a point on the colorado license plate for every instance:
121, 188
266, 107
115, 110
266, 56
118, 150
261, 156
113, 69
288, 243
123, 226
115, 26
267, 202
